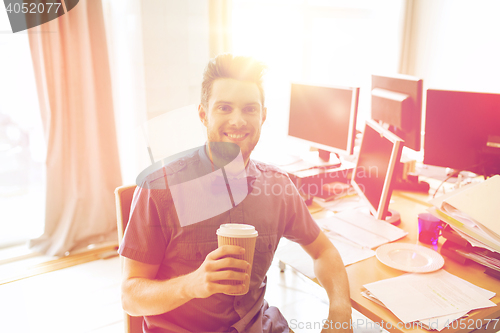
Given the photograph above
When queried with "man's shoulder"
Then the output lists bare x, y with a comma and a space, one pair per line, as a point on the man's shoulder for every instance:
184, 162
167, 169
269, 168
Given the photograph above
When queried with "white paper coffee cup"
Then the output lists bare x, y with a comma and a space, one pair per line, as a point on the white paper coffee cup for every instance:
243, 235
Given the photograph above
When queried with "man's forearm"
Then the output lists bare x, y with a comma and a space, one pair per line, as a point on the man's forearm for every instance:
331, 273
145, 297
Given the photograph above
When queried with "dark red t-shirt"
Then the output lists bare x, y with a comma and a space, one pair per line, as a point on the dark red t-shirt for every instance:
155, 236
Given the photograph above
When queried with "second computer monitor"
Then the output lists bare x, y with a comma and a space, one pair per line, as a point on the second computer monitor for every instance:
462, 131
324, 117
397, 103
374, 173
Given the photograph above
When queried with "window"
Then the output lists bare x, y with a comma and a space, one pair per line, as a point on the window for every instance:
22, 144
332, 42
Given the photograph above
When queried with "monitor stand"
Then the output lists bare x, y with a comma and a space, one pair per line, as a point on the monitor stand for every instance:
411, 183
393, 217
325, 155
452, 173
322, 159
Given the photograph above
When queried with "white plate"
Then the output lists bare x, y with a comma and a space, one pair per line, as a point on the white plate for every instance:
411, 258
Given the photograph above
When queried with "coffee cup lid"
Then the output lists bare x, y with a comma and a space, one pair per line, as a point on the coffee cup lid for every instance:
237, 230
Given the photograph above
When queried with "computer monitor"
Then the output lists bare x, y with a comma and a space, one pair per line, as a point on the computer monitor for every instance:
324, 117
374, 173
397, 104
462, 131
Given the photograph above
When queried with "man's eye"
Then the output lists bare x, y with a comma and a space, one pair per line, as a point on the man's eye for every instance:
225, 108
250, 109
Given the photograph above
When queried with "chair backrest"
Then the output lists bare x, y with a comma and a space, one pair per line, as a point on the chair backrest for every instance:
123, 196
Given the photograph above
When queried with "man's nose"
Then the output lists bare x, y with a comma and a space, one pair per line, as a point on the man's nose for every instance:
237, 119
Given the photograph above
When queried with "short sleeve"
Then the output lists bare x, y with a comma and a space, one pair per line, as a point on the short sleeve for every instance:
144, 240
300, 226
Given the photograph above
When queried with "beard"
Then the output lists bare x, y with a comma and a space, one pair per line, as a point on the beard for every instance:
227, 151
223, 152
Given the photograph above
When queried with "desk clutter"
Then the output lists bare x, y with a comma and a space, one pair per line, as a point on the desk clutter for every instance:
472, 214
433, 300
438, 300
460, 250
353, 232
427, 297
356, 195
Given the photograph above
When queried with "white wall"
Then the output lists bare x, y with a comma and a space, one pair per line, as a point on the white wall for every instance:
331, 42
175, 44
455, 44
158, 51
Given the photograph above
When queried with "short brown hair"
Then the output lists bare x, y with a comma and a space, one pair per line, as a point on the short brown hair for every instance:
227, 66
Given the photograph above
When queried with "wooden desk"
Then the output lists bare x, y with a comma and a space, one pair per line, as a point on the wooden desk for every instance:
371, 270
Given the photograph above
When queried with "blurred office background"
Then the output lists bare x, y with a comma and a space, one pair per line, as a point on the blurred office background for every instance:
157, 50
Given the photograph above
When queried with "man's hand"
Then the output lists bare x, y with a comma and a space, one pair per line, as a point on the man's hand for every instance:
144, 295
220, 264
339, 320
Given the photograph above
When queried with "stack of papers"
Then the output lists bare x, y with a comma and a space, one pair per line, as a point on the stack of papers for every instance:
473, 211
482, 258
434, 299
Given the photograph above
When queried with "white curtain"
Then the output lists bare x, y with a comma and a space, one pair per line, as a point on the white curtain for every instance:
220, 40
71, 67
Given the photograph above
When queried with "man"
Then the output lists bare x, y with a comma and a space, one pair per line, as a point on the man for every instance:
171, 270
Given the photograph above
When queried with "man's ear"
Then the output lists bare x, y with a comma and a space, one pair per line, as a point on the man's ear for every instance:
202, 114
264, 114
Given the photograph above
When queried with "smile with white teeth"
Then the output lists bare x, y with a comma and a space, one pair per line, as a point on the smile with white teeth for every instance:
235, 136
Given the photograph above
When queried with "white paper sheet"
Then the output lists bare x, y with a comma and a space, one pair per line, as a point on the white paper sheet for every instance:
413, 297
294, 255
353, 233
350, 253
439, 323
435, 323
362, 229
371, 224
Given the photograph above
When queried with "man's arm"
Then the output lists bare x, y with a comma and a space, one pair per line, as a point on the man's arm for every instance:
331, 273
143, 295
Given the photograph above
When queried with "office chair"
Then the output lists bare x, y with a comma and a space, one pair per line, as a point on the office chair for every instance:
123, 196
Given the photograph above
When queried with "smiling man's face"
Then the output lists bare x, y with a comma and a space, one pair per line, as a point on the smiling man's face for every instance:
235, 114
